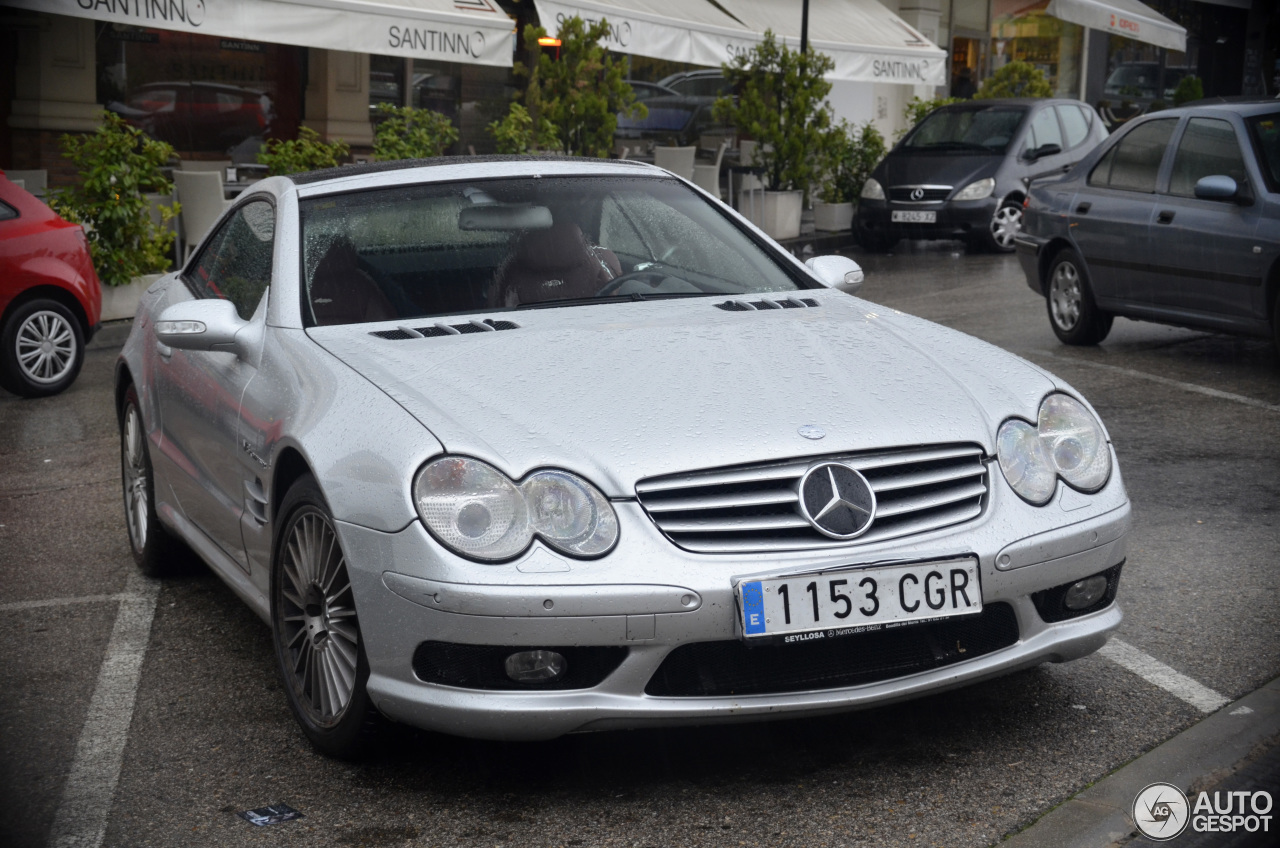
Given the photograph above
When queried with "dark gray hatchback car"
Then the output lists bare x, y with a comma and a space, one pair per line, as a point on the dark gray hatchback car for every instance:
1176, 219
959, 174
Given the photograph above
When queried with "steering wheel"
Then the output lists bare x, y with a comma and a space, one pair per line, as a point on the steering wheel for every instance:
616, 283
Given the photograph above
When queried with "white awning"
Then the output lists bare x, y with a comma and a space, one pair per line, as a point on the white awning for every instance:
1122, 17
866, 40
472, 31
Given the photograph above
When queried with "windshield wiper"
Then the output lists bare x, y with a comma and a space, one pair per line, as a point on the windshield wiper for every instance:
960, 145
612, 298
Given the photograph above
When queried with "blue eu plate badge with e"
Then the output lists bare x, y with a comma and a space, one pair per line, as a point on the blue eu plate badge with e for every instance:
752, 609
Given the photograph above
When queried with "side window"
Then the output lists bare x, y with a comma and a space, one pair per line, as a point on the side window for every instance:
7, 212
1134, 163
1044, 130
1208, 147
1074, 123
236, 263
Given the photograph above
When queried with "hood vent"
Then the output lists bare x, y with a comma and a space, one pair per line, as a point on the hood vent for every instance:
758, 305
486, 326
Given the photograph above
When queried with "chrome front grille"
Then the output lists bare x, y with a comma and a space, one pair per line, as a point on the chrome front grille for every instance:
928, 194
744, 509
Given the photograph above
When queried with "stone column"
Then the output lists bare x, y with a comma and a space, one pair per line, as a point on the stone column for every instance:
337, 102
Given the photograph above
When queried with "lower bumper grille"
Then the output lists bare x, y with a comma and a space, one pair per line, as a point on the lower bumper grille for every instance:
481, 666
732, 668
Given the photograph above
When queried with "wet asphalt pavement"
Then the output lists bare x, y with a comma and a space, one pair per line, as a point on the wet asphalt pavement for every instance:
211, 735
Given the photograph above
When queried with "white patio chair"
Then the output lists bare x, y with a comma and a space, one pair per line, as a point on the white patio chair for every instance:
677, 160
200, 193
707, 177
198, 165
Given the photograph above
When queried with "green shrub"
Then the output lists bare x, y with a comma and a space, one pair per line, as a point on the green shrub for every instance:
1189, 88
1016, 79
515, 133
578, 96
781, 103
117, 165
306, 153
852, 155
917, 109
408, 133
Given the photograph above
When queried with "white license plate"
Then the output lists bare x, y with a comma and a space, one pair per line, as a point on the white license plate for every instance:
836, 603
900, 216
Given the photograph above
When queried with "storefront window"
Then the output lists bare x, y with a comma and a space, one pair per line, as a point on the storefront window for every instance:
1026, 33
208, 96
470, 95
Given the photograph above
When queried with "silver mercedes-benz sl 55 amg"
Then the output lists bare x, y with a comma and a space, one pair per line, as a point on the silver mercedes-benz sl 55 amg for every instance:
516, 447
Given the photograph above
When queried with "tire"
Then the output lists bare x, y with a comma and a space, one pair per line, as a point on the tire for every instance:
1005, 224
1075, 318
41, 349
154, 550
315, 630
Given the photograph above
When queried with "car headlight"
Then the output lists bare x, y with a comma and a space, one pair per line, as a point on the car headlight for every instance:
872, 190
477, 511
1067, 442
976, 190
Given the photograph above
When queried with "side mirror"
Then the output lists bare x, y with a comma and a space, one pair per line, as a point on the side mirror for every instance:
201, 325
1043, 151
1217, 187
837, 271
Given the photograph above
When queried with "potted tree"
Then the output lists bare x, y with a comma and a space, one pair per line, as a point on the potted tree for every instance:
780, 102
851, 155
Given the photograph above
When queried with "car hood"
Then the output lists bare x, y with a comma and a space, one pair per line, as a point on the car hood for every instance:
621, 392
943, 168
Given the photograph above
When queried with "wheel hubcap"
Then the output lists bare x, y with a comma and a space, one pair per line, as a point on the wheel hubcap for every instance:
1006, 224
1065, 296
135, 477
318, 618
46, 347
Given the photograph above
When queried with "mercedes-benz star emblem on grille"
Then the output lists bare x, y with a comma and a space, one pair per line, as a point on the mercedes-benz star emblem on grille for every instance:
917, 194
837, 500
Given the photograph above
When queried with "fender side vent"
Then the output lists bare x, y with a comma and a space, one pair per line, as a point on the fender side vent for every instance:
488, 325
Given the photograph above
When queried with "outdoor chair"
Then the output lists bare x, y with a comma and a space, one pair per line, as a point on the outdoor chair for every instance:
707, 177
198, 165
677, 160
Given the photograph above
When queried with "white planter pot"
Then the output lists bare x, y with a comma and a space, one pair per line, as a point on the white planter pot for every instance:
119, 302
780, 213
832, 217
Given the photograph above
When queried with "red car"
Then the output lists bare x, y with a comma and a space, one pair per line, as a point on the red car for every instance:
50, 299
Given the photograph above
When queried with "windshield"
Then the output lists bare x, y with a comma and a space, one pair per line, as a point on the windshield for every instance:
986, 130
427, 250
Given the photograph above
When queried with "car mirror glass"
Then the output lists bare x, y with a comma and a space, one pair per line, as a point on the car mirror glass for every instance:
200, 325
1216, 187
1043, 151
837, 271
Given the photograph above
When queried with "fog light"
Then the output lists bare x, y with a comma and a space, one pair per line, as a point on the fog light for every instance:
1083, 594
537, 666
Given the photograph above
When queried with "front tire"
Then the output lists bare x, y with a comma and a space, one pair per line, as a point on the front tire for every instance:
1075, 318
1005, 225
41, 349
316, 633
154, 550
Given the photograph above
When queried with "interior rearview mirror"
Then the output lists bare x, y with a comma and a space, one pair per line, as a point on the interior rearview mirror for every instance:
837, 271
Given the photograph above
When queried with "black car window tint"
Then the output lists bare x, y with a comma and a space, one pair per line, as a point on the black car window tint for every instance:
1138, 155
1208, 147
1101, 173
7, 212
1045, 130
1074, 124
236, 265
1265, 130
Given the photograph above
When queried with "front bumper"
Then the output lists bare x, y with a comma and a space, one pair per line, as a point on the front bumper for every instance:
651, 597
955, 219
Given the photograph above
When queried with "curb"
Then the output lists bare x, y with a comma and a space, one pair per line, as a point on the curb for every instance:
1205, 752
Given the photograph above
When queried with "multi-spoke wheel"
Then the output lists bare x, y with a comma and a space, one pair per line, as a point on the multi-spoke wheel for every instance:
1075, 318
317, 633
43, 348
153, 547
1005, 225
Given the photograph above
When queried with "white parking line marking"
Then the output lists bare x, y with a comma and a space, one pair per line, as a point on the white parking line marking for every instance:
1153, 671
59, 602
81, 820
1187, 387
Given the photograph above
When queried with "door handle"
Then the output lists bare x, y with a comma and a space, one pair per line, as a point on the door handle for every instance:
1165, 217
1083, 208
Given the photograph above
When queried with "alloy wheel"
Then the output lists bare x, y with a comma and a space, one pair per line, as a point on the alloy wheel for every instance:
317, 618
1005, 225
135, 478
1065, 296
46, 347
